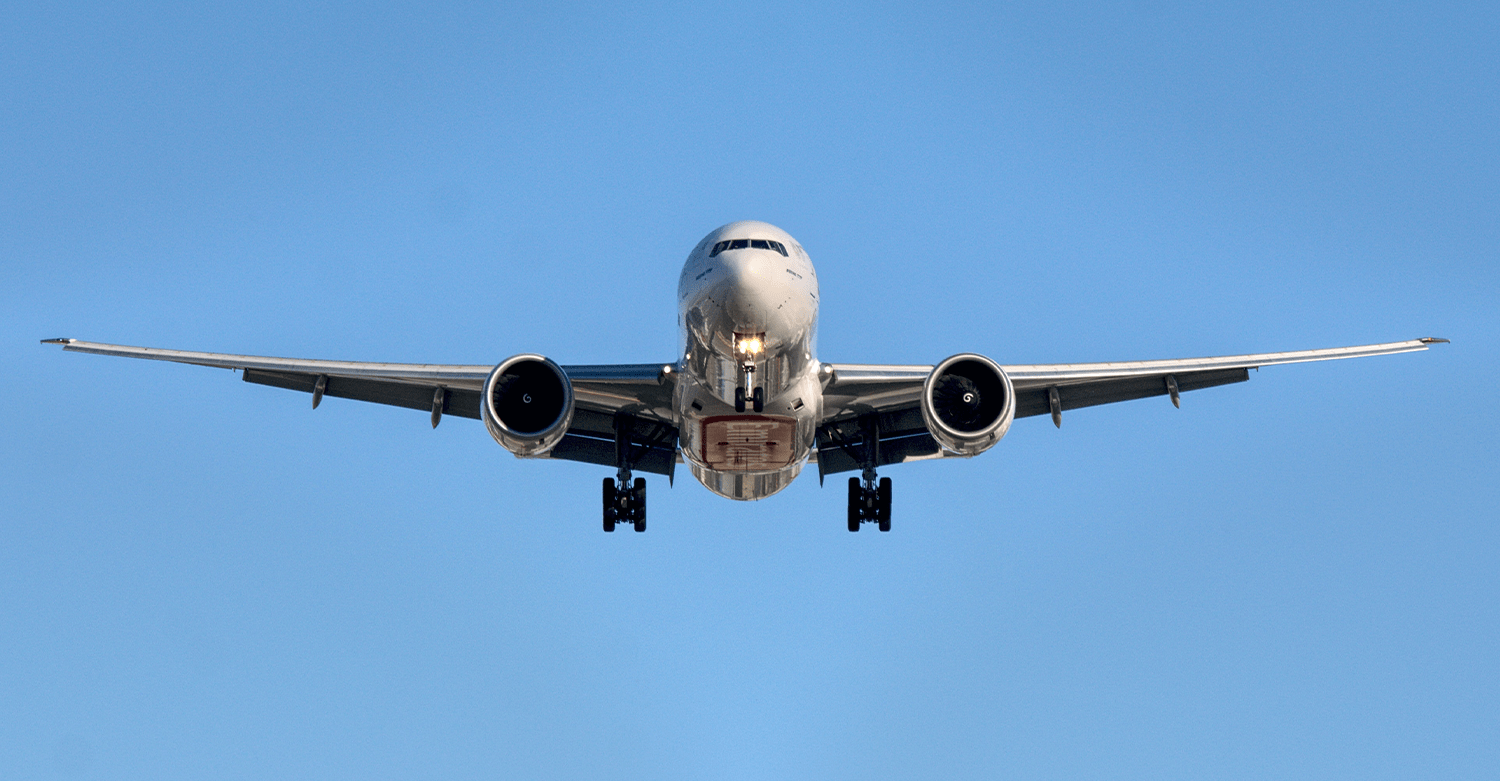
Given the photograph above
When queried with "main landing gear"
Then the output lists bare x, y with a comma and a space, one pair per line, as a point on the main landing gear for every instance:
869, 496
870, 502
625, 503
624, 498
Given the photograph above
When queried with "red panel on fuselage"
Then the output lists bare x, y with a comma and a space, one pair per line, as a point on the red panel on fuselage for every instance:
748, 443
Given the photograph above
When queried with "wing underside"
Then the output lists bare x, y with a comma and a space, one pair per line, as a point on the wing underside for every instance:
633, 398
880, 401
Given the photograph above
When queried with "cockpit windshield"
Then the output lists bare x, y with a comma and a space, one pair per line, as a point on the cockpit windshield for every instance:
774, 246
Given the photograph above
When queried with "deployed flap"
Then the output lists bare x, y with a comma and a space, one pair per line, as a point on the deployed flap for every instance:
903, 435
900, 433
652, 445
1034, 400
458, 401
649, 446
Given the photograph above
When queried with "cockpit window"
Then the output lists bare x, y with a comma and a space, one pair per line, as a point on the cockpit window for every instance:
774, 246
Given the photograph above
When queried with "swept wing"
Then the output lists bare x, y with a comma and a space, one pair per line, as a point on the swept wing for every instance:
892, 393
643, 392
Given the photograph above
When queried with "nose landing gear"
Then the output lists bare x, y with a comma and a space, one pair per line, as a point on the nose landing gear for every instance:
756, 397
756, 400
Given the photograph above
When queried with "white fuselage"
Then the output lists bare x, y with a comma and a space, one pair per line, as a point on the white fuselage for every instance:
748, 315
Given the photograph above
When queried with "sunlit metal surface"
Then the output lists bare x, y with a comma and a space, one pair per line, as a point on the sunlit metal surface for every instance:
748, 317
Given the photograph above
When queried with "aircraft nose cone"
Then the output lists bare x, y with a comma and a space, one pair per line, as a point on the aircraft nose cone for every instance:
749, 293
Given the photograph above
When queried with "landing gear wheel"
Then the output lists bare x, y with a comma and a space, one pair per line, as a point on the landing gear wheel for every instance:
883, 504
856, 503
759, 398
638, 504
739, 399
611, 512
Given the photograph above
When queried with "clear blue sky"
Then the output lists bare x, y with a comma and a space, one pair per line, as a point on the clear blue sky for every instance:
1295, 577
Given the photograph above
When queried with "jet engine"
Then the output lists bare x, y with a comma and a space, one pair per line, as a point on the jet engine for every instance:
968, 403
527, 404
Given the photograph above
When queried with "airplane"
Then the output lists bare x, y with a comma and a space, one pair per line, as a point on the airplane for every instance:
746, 405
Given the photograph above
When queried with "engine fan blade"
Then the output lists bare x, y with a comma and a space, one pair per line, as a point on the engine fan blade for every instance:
956, 399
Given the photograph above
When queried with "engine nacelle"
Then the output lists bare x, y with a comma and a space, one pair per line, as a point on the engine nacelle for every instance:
527, 404
968, 403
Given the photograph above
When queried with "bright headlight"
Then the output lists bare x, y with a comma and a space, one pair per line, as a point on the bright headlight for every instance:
749, 344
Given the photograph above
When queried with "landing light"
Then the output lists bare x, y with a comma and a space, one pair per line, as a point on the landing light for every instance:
749, 344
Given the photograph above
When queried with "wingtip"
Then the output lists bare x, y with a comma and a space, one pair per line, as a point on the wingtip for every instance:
57, 341
1432, 340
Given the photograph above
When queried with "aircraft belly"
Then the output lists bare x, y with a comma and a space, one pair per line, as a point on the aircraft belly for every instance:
747, 443
746, 486
748, 455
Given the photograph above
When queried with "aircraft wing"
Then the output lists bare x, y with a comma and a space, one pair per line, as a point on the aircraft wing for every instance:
642, 391
893, 393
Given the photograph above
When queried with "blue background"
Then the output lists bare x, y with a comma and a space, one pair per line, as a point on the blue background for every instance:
1291, 577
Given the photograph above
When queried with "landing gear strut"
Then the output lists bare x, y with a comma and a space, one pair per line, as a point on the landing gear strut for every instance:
624, 499
869, 497
756, 398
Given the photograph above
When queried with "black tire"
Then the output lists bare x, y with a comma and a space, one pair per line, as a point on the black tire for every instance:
739, 399
759, 399
856, 495
883, 504
638, 504
609, 504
